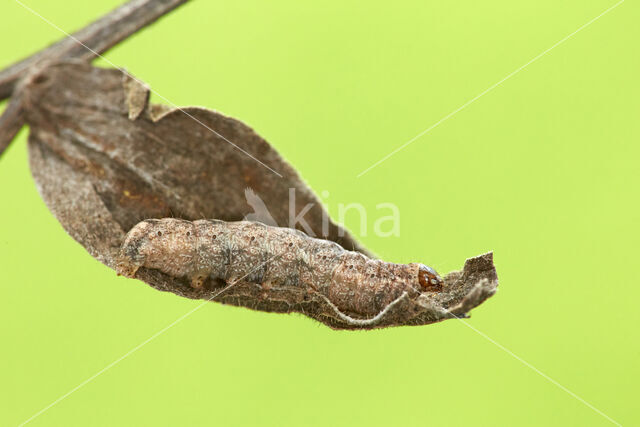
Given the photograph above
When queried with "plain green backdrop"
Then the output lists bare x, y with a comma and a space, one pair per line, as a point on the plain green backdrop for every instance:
543, 170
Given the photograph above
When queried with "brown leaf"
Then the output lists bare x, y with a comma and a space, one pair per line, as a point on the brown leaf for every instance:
103, 160
190, 163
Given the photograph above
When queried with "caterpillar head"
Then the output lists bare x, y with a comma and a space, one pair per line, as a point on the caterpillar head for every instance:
164, 244
429, 279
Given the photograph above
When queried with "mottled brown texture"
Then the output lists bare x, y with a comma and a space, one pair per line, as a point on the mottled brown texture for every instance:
93, 39
171, 165
283, 270
11, 121
104, 160
281, 261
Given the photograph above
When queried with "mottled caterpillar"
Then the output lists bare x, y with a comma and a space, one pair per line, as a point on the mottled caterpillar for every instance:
273, 258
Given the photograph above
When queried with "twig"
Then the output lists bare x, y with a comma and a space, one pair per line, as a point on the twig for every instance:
99, 36
11, 122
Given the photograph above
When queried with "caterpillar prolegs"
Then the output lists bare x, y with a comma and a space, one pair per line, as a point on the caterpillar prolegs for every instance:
277, 260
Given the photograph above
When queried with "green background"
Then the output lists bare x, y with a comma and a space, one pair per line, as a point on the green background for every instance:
543, 170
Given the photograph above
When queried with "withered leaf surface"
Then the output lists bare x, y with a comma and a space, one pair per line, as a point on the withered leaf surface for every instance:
103, 160
190, 163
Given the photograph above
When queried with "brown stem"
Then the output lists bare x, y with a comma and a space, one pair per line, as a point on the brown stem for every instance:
11, 122
98, 36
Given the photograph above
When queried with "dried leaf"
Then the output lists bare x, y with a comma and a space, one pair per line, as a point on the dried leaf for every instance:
103, 160
190, 163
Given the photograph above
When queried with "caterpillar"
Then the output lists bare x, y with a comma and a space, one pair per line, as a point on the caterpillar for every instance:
273, 258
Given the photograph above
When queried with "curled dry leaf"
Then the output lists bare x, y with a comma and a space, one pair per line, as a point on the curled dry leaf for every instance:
104, 160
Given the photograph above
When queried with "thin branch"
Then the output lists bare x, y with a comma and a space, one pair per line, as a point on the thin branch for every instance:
11, 122
99, 36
